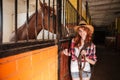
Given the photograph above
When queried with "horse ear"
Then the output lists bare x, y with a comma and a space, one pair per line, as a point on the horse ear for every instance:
40, 3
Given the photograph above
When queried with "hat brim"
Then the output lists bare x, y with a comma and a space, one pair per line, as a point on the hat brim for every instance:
91, 28
82, 22
75, 28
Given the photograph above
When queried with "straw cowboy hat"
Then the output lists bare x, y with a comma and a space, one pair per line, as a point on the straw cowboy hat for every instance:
75, 28
91, 28
82, 22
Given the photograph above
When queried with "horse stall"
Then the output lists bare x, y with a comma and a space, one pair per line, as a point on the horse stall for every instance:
33, 34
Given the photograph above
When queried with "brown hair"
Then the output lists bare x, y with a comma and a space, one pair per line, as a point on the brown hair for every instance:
77, 38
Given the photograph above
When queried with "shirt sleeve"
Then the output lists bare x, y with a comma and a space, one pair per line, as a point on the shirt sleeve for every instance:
72, 50
91, 52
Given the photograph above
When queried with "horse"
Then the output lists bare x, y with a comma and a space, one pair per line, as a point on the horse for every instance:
31, 30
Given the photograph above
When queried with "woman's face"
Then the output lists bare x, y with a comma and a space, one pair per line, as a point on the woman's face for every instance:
82, 33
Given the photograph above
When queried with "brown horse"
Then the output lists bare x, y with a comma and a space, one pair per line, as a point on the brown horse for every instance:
30, 30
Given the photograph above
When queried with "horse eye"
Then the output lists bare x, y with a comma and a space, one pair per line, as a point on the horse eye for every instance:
52, 15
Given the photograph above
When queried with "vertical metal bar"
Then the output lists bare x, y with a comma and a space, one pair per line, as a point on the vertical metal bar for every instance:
48, 19
81, 10
59, 18
36, 23
74, 14
43, 21
1, 21
53, 20
62, 12
27, 17
59, 33
64, 26
86, 10
77, 12
16, 8
66, 12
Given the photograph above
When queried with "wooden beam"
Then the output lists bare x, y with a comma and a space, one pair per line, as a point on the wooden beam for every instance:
104, 8
103, 3
103, 11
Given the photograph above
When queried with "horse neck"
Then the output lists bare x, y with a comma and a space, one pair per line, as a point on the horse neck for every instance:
32, 22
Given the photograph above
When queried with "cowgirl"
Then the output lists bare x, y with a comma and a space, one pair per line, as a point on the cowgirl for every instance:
82, 38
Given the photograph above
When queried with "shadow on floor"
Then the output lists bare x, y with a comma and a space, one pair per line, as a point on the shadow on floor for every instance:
108, 64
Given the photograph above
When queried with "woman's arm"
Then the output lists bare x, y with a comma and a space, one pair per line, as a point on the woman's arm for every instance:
90, 54
90, 60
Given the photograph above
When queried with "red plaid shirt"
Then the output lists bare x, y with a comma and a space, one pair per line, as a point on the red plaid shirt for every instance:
91, 51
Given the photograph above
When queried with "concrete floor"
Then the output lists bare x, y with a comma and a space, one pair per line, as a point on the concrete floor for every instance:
108, 64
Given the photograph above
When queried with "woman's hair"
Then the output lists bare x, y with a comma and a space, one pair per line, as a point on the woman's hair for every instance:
77, 38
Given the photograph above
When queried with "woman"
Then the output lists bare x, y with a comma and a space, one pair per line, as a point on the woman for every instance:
82, 45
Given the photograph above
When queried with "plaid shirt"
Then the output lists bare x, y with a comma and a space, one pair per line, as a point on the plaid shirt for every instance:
91, 50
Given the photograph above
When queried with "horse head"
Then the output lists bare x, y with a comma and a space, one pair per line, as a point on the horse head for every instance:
46, 9
48, 17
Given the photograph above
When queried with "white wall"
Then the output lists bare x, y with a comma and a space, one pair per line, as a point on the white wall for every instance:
7, 20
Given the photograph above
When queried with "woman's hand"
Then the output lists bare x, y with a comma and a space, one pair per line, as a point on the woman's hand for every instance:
83, 52
65, 51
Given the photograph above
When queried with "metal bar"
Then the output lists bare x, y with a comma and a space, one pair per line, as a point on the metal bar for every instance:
63, 28
81, 9
53, 20
36, 24
49, 19
59, 33
87, 10
1, 21
27, 17
67, 13
63, 12
59, 18
43, 21
78, 12
16, 9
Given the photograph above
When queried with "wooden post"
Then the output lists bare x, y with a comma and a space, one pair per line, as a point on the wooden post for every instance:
1, 21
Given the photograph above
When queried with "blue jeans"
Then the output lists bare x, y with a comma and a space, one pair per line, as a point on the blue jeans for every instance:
85, 74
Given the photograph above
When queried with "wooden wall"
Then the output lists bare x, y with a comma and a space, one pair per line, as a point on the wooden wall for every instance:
41, 64
65, 64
